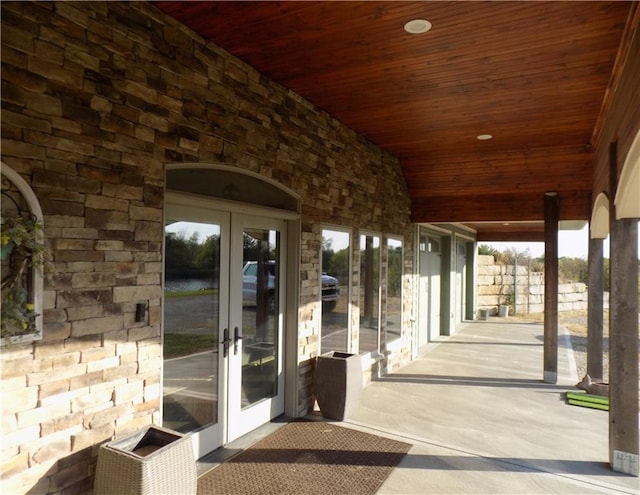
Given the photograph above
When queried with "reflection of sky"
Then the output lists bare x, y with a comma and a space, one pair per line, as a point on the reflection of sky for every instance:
341, 240
338, 240
570, 243
204, 230
394, 243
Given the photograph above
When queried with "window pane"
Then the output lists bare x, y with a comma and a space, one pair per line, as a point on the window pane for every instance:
335, 283
369, 292
394, 289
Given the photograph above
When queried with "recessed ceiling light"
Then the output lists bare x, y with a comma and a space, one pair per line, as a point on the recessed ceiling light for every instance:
417, 26
484, 137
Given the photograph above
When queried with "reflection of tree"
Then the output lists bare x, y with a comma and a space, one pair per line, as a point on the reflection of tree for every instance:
254, 243
189, 257
336, 264
394, 271
251, 247
369, 281
208, 257
326, 244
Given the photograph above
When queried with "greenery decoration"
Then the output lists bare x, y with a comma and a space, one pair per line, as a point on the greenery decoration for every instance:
22, 246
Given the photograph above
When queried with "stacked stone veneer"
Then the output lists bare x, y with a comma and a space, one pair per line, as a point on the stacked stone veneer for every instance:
97, 99
502, 284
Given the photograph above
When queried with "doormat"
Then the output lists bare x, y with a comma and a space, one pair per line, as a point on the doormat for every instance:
308, 457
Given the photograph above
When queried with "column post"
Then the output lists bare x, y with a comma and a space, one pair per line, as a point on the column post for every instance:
624, 439
595, 313
551, 219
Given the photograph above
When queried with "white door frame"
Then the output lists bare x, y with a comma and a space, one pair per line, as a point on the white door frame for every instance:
242, 421
425, 315
201, 208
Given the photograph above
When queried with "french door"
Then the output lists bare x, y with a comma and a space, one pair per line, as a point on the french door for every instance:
223, 321
430, 266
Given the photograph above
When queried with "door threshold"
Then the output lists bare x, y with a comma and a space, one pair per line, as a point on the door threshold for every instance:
226, 452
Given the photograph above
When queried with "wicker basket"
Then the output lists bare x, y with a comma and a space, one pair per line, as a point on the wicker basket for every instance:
153, 461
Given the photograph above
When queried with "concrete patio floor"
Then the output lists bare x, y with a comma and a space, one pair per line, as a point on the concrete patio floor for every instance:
480, 419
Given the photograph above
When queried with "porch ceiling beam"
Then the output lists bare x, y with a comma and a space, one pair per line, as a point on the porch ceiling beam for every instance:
511, 236
497, 207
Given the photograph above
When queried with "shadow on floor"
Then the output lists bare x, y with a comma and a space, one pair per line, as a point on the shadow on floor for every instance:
478, 463
478, 381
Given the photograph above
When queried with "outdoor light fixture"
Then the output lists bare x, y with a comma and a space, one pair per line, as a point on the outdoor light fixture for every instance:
417, 26
140, 311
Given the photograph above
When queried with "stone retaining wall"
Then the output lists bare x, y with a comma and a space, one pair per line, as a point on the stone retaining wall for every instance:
504, 284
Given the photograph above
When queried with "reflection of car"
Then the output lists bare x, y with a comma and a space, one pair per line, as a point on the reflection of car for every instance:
250, 284
330, 290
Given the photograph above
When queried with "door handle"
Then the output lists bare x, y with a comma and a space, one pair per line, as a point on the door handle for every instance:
236, 337
225, 343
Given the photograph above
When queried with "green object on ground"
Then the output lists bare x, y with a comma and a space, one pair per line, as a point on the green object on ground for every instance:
588, 400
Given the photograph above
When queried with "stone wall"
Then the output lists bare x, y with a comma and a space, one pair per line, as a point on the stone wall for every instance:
504, 285
96, 99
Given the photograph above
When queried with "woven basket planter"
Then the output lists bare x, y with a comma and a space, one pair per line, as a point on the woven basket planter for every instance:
338, 384
153, 461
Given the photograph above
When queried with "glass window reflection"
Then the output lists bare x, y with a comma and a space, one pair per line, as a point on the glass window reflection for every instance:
394, 290
335, 283
369, 297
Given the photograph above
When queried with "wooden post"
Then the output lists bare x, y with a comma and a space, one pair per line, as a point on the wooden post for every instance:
551, 219
623, 337
595, 314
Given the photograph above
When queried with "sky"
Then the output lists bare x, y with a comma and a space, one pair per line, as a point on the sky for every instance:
571, 244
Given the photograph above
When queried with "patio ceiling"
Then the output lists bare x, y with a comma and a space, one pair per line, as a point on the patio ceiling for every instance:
534, 75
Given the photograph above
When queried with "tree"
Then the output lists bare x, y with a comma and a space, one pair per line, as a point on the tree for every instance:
573, 270
485, 249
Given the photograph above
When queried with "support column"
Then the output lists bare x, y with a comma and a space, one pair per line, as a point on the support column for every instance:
623, 337
595, 314
551, 219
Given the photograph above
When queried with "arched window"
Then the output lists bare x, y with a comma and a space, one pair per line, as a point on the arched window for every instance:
24, 255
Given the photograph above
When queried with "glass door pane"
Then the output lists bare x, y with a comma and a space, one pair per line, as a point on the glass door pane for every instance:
260, 282
369, 301
256, 379
192, 315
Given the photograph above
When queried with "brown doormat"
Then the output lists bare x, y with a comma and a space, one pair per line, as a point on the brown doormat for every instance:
308, 457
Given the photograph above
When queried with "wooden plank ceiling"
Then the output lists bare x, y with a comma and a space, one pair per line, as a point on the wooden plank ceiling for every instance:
534, 75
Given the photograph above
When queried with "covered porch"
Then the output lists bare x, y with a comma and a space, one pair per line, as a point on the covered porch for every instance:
465, 122
480, 420
492, 131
